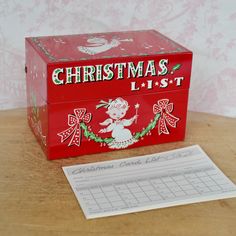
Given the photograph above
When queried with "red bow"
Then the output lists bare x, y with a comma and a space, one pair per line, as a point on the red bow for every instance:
165, 108
75, 129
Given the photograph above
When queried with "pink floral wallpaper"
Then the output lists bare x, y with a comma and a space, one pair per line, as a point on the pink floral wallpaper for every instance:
207, 27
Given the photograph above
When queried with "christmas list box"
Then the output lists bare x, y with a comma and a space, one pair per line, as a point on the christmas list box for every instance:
93, 93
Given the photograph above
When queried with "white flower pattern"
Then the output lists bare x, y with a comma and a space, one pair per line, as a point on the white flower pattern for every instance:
206, 27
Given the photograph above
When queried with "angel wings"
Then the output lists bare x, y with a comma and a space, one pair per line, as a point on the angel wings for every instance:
98, 45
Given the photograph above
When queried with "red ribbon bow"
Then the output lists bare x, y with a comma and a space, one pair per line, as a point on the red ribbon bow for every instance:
75, 129
165, 108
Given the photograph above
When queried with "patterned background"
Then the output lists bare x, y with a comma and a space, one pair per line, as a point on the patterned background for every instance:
207, 27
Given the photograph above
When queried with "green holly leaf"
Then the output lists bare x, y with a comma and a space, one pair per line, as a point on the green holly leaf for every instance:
92, 136
137, 135
176, 67
108, 140
86, 133
98, 139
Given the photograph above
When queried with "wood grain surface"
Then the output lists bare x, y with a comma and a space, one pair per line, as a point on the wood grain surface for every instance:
36, 199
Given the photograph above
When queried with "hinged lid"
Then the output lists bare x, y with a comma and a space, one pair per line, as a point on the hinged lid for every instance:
101, 65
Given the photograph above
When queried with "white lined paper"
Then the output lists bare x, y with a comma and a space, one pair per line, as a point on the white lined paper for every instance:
176, 177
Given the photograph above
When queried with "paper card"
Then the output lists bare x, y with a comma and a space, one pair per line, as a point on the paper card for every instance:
177, 177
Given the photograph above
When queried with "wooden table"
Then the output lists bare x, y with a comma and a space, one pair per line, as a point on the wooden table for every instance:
36, 199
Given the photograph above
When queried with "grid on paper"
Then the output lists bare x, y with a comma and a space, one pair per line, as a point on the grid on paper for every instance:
151, 190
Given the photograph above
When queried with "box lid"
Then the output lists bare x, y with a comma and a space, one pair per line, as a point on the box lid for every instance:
146, 60
104, 45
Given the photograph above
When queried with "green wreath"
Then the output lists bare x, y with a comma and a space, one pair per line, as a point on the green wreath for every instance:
92, 136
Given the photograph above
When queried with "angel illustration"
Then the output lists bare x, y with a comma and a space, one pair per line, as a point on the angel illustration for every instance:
117, 109
98, 45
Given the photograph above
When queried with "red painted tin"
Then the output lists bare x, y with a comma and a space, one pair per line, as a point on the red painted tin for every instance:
93, 93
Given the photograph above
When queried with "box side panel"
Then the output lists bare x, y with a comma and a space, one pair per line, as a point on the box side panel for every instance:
102, 125
37, 113
38, 47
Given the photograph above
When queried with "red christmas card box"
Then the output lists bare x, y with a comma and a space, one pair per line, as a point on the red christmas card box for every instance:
93, 93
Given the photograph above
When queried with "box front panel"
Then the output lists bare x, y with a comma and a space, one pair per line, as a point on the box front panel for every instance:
94, 79
115, 123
